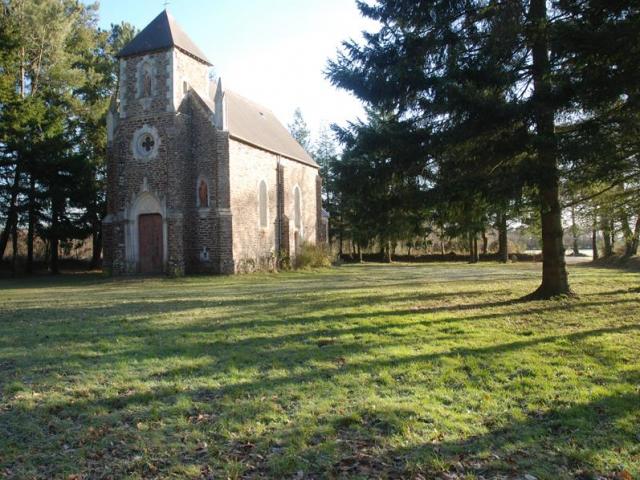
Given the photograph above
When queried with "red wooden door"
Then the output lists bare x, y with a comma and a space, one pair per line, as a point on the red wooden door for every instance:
150, 238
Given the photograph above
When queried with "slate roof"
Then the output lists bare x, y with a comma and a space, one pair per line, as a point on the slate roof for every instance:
161, 34
252, 123
244, 119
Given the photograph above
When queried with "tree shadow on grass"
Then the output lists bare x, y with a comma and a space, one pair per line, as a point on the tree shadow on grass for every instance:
216, 335
240, 366
561, 443
122, 410
250, 338
295, 358
368, 366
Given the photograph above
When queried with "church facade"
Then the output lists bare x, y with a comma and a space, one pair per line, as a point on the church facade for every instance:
199, 178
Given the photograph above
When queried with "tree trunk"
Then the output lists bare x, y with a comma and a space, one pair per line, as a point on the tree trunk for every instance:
636, 237
389, 258
32, 224
485, 242
555, 280
576, 248
594, 239
12, 212
612, 232
476, 253
55, 240
473, 248
606, 235
503, 245
14, 246
574, 231
627, 234
54, 267
96, 251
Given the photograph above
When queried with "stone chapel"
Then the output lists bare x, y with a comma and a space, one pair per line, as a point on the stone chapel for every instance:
199, 178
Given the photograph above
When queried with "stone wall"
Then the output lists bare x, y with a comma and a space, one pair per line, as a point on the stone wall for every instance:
253, 245
167, 176
193, 72
303, 176
224, 236
200, 233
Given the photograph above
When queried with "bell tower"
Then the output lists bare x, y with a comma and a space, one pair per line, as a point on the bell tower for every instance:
149, 151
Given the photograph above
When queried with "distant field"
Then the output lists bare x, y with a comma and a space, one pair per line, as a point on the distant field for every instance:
363, 371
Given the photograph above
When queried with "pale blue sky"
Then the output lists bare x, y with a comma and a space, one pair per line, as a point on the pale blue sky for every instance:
272, 51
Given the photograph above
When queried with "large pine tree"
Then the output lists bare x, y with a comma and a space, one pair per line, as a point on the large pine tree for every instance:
57, 74
493, 85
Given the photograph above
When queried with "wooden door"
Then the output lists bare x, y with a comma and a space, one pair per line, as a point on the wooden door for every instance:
151, 247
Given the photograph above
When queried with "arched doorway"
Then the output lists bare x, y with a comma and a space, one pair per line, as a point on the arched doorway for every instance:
146, 234
150, 246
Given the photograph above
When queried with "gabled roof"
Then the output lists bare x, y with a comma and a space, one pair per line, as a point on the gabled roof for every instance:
161, 34
256, 125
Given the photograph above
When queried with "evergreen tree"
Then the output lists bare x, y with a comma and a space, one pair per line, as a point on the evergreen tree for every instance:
57, 75
493, 85
380, 196
325, 151
300, 131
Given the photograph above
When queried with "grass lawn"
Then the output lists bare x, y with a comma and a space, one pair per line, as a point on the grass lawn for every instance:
363, 371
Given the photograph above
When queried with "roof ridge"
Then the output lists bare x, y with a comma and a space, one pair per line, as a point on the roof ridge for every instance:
268, 133
162, 33
257, 104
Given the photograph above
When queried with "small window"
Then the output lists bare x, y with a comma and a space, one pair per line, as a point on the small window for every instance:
185, 87
297, 208
147, 81
146, 144
263, 202
203, 194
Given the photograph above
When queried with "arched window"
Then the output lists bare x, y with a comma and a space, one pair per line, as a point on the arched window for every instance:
263, 200
146, 80
146, 83
297, 208
203, 194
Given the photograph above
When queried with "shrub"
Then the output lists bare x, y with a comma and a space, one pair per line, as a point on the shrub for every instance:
313, 256
284, 261
514, 247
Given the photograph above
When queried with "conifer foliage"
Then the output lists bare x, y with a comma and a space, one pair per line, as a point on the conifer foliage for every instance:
57, 74
507, 102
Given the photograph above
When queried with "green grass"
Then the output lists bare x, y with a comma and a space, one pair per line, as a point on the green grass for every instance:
359, 371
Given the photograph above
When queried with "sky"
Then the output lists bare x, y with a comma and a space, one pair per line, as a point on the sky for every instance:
271, 51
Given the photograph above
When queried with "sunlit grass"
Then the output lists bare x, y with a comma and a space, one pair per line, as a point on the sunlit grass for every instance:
359, 371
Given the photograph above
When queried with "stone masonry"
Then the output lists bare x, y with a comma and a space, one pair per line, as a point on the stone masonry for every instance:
178, 154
